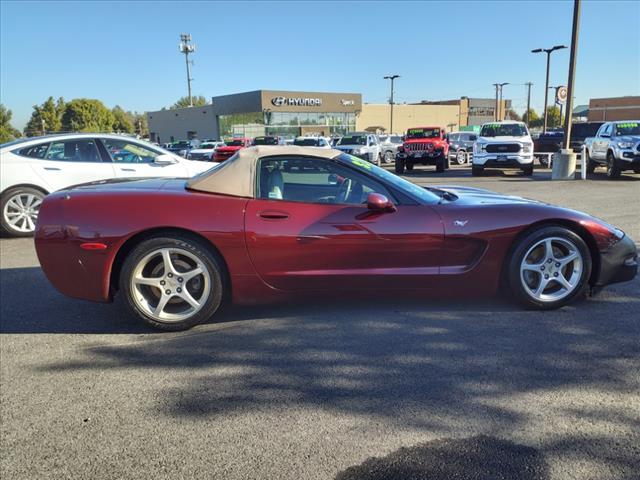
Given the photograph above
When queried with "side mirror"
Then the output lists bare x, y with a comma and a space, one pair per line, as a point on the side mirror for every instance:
165, 159
379, 203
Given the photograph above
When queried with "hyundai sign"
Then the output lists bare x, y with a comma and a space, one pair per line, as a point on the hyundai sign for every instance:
296, 101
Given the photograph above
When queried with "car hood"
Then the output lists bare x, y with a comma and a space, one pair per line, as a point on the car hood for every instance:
228, 149
629, 138
503, 139
480, 196
201, 150
423, 140
348, 147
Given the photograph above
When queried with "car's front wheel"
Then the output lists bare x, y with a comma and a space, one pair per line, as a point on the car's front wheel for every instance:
20, 208
388, 156
549, 267
172, 283
461, 157
613, 170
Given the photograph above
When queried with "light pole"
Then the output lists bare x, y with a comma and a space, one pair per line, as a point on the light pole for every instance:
392, 78
186, 47
499, 99
548, 51
528, 84
572, 72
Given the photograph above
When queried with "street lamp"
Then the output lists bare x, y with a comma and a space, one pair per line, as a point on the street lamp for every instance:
392, 78
548, 51
499, 98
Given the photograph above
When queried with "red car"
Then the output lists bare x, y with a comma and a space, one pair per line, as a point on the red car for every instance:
284, 221
232, 146
425, 146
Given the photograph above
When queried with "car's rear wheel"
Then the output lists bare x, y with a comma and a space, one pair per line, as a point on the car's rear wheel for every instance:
172, 283
20, 208
591, 164
613, 171
549, 268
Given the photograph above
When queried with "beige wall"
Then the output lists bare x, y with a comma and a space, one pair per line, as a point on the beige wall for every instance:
407, 116
615, 108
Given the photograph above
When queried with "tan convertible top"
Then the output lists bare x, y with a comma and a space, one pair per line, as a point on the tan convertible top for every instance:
237, 176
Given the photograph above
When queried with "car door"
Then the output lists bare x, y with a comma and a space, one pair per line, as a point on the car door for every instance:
309, 229
132, 159
602, 141
72, 161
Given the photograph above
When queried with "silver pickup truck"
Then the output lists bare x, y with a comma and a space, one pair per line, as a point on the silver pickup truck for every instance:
616, 146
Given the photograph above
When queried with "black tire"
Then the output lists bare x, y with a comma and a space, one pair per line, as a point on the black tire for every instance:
544, 161
7, 211
409, 166
441, 164
399, 167
209, 259
476, 171
613, 170
527, 171
517, 256
591, 164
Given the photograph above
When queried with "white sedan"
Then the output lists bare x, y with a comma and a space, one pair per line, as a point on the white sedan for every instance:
33, 167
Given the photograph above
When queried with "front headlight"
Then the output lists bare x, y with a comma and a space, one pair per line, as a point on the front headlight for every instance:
527, 147
480, 147
625, 144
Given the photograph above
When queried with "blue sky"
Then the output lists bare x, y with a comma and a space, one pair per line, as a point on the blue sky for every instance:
126, 53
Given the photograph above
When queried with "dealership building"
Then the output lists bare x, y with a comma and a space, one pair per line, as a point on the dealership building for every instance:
261, 112
290, 114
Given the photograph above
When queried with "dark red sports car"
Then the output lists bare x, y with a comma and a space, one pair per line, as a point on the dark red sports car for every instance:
276, 222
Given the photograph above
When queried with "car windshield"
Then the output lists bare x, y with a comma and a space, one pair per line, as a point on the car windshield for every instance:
306, 142
265, 141
180, 144
400, 183
585, 129
235, 143
627, 128
423, 133
207, 146
503, 130
353, 140
396, 139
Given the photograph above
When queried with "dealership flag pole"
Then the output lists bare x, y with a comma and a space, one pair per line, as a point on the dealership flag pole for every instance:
572, 73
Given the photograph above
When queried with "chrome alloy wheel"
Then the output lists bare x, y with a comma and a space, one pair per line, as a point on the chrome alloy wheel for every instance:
461, 157
388, 157
21, 211
551, 269
170, 284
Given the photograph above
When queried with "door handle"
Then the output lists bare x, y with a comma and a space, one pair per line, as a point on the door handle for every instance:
127, 169
273, 215
53, 169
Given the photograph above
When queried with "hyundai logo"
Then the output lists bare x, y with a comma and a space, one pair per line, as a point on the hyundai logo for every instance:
296, 101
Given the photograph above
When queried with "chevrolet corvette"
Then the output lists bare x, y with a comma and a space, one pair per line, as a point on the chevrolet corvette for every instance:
280, 222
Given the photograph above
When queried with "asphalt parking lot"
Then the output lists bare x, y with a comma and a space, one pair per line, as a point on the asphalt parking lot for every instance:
362, 390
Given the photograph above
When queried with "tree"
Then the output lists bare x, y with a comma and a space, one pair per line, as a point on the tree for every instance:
534, 121
198, 101
87, 115
553, 117
46, 117
123, 120
512, 115
7, 132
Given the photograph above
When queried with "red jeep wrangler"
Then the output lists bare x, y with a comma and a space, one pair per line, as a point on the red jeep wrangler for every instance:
423, 145
232, 146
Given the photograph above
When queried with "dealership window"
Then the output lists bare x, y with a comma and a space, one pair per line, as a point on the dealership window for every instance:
287, 124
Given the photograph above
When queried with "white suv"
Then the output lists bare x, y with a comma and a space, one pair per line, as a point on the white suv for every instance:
33, 167
503, 145
361, 144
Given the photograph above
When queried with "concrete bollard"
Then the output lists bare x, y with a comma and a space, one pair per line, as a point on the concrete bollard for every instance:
564, 165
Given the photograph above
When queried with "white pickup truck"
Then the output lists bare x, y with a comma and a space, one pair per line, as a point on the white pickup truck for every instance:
616, 146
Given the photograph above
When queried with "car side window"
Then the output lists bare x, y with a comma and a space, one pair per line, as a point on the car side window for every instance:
125, 151
606, 130
79, 150
314, 180
34, 151
473, 138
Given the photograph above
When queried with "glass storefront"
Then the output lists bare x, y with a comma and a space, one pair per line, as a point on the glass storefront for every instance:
286, 124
